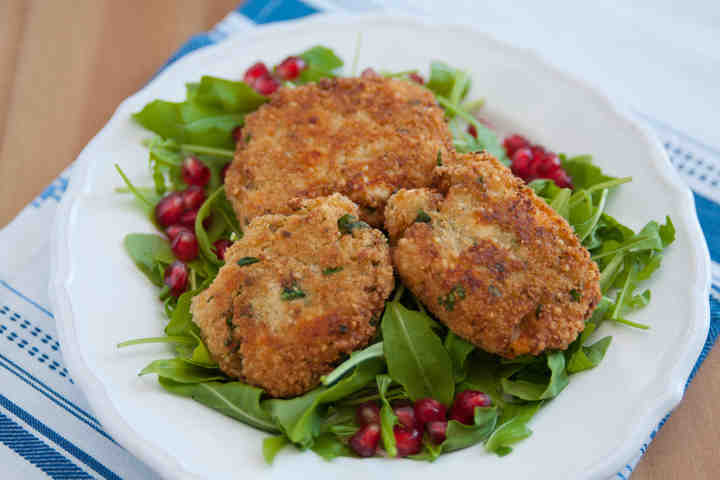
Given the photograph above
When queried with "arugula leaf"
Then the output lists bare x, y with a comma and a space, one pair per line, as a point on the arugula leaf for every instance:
588, 357
461, 436
214, 107
513, 429
443, 78
272, 446
486, 138
227, 95
373, 351
533, 390
202, 235
458, 349
321, 63
148, 251
301, 417
388, 419
234, 399
415, 355
182, 372
329, 447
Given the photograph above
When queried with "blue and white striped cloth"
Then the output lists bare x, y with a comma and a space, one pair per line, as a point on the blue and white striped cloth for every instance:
46, 427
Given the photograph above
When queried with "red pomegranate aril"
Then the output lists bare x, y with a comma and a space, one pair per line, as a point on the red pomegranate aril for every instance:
405, 414
185, 246
169, 209
521, 161
219, 246
437, 431
266, 85
429, 410
195, 172
290, 68
369, 73
224, 170
237, 133
561, 178
193, 197
407, 440
513, 143
256, 71
472, 130
176, 276
173, 230
367, 413
187, 219
365, 440
417, 78
463, 409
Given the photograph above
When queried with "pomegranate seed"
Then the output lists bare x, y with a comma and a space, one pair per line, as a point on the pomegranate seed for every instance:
256, 71
290, 68
561, 178
173, 230
224, 170
521, 161
406, 415
369, 73
367, 413
193, 197
266, 85
187, 219
407, 440
463, 409
194, 172
176, 276
220, 246
513, 143
429, 410
185, 246
538, 152
365, 440
169, 209
417, 78
437, 431
237, 133
472, 130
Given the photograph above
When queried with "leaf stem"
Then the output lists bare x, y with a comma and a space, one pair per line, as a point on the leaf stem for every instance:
167, 339
218, 152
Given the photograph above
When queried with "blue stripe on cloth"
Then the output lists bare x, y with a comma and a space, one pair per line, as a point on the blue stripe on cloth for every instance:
31, 302
263, 11
50, 389
74, 414
58, 439
708, 213
35, 451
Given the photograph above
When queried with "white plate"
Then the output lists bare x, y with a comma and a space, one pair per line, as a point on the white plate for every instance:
590, 431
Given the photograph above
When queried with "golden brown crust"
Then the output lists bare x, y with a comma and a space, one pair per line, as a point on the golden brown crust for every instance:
286, 345
362, 137
496, 263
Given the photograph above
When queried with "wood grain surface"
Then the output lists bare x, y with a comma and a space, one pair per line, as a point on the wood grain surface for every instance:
66, 65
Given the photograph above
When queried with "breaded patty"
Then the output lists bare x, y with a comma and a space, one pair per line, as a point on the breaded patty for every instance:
492, 260
296, 294
362, 137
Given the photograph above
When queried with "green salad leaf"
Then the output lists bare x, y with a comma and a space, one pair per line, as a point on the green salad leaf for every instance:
177, 370
300, 418
415, 355
151, 254
234, 399
388, 419
321, 63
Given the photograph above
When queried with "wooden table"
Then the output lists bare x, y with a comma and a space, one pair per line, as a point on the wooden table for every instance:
65, 66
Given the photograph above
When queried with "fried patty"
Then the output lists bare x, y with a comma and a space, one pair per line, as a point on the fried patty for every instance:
491, 259
362, 137
295, 295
